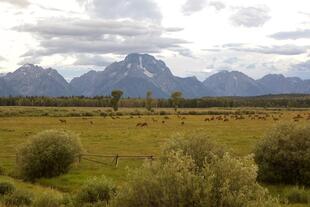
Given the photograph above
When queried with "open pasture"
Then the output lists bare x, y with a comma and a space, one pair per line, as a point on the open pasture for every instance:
134, 132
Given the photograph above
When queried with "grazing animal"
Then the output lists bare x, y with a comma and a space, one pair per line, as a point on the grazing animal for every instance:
163, 122
226, 120
138, 124
182, 123
63, 121
207, 119
91, 122
144, 124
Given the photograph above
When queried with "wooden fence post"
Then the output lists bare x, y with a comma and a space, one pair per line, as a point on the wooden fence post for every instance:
116, 160
151, 158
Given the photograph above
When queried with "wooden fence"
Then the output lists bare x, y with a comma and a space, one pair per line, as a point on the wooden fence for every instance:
92, 158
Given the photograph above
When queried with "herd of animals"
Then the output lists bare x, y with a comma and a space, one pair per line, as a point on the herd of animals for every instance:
210, 118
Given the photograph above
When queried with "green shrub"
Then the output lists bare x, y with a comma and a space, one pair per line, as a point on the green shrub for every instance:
198, 146
224, 182
297, 195
6, 188
47, 200
96, 190
48, 154
18, 198
283, 155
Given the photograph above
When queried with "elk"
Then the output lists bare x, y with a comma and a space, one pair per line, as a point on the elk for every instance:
144, 124
63, 121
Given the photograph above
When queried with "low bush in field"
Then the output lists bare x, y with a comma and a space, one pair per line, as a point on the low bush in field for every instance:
48, 154
198, 146
225, 181
95, 191
192, 173
6, 188
47, 200
18, 198
283, 155
297, 195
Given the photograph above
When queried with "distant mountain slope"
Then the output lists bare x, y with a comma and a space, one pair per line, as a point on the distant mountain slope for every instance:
135, 75
233, 84
5, 89
279, 84
31, 80
139, 73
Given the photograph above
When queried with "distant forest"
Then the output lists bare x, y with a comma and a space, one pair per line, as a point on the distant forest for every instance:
283, 101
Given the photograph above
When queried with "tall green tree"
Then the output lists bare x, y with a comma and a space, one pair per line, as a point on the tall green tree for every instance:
116, 96
176, 98
149, 100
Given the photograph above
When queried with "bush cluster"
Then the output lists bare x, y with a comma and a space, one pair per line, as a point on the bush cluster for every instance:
182, 180
48, 154
95, 191
6, 188
18, 198
283, 155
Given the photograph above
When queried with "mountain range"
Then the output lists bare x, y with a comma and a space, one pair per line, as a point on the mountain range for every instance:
139, 73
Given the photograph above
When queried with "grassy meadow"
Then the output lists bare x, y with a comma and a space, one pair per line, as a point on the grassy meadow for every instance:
119, 134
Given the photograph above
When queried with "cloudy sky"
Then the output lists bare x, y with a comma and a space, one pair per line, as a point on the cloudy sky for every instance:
194, 37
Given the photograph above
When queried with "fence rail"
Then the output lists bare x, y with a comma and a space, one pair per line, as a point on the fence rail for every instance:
115, 161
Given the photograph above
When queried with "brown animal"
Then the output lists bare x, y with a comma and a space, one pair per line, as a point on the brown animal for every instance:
207, 119
226, 120
63, 121
182, 123
91, 122
163, 122
144, 124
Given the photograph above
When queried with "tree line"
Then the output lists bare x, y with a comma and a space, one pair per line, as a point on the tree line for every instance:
175, 101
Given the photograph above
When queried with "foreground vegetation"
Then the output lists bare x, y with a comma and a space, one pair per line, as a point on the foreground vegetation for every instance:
104, 132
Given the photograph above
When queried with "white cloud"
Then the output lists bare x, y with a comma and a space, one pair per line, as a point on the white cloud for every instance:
192, 6
18, 3
251, 16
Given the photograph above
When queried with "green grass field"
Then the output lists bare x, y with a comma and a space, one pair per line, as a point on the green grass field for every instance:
120, 135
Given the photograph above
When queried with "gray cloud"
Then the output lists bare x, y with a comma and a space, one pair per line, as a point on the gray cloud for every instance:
91, 28
303, 66
251, 16
294, 35
72, 36
92, 60
18, 3
144, 44
184, 52
301, 69
30, 59
276, 49
217, 5
134, 9
192, 6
